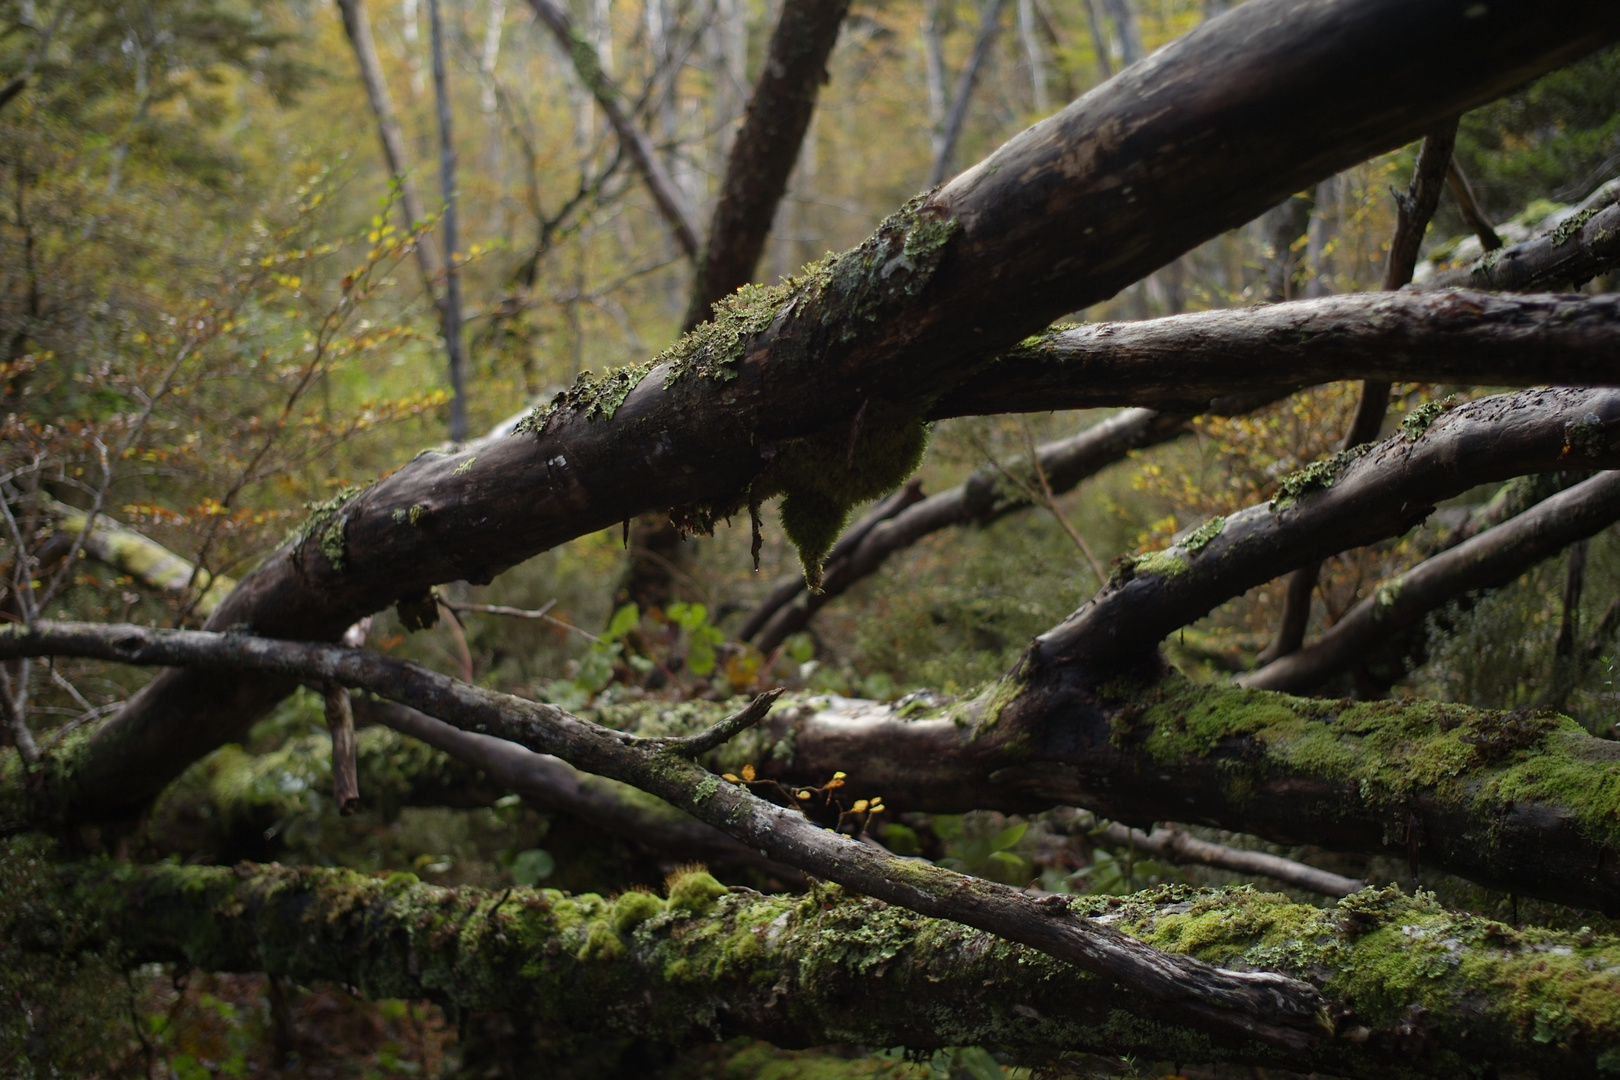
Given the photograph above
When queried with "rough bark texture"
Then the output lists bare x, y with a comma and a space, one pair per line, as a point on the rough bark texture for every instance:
1577, 251
1411, 989
1200, 137
766, 148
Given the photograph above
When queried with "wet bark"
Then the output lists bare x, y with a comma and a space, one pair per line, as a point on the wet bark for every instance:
1220, 124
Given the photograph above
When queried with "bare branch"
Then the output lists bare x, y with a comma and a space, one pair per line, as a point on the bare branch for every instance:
1186, 363
1490, 559
1586, 244
1334, 506
667, 195
1180, 846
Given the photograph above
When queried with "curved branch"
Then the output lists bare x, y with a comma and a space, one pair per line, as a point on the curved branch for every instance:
1355, 499
1492, 558
1221, 123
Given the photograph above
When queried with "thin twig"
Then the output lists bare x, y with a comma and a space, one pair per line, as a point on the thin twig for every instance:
729, 728
522, 613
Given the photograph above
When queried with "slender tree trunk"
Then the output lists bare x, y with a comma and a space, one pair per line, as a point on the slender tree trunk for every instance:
989, 28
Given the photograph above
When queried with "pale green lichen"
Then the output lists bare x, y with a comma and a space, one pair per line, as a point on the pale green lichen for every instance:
465, 467
1169, 563
326, 523
1317, 476
1418, 420
1571, 226
1201, 536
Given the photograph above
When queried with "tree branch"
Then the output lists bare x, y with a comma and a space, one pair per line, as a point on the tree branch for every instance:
1184, 363
1335, 505
1223, 122
667, 195
1180, 846
1585, 245
1278, 1011
1489, 560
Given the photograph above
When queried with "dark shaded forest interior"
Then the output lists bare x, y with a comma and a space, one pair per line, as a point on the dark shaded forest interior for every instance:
530, 548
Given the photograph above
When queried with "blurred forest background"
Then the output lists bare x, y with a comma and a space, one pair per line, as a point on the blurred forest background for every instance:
212, 315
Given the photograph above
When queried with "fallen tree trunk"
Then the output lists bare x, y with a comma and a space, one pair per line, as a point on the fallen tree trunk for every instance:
1410, 989
1219, 125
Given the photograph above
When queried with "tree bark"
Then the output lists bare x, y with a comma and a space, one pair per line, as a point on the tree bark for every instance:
1221, 123
1409, 987
453, 341
358, 26
1584, 246
765, 149
1186, 363
1489, 560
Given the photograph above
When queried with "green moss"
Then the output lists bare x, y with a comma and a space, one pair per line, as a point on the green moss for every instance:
466, 466
1418, 420
821, 481
1388, 751
601, 941
1316, 476
693, 891
633, 908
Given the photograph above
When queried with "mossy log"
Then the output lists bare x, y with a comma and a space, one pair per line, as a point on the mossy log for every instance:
1411, 988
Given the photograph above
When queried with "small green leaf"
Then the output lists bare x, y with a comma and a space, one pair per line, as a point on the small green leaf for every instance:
624, 620
1009, 836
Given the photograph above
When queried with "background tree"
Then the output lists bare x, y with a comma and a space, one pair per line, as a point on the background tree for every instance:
992, 701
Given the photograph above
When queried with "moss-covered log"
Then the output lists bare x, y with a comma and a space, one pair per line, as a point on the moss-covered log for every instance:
1412, 989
